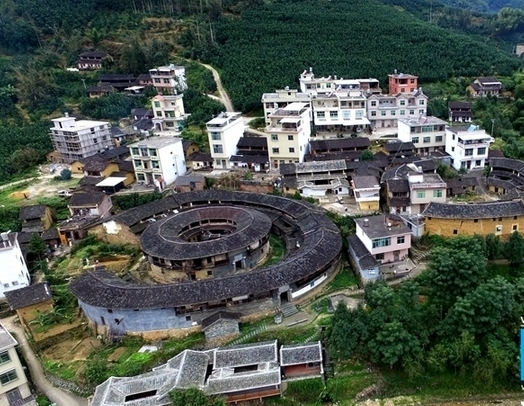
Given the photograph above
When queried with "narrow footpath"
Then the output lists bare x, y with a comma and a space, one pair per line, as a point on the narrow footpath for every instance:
224, 97
56, 395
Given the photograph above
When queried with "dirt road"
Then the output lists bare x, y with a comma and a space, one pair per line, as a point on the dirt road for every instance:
224, 97
58, 396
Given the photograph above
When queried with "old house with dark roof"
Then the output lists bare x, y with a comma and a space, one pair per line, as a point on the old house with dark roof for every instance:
486, 86
189, 183
366, 190
337, 148
361, 259
500, 218
30, 302
200, 161
116, 80
301, 360
316, 178
460, 111
35, 218
221, 325
252, 154
462, 185
91, 60
506, 177
399, 149
190, 148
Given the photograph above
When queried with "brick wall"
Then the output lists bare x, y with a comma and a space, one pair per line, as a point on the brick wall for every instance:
454, 227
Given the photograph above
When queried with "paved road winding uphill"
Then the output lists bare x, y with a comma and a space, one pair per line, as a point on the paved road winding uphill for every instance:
224, 97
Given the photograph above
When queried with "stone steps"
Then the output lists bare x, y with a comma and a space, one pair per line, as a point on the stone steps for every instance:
248, 335
288, 309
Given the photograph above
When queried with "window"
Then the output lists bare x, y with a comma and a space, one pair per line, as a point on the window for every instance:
216, 136
411, 112
159, 114
290, 138
333, 114
455, 232
291, 150
217, 149
140, 177
414, 140
437, 193
188, 318
393, 112
155, 164
427, 140
8, 376
452, 149
157, 104
15, 283
358, 114
476, 220
421, 194
276, 151
134, 151
438, 138
4, 357
382, 242
321, 115
379, 257
383, 113
421, 102
469, 152
152, 152
421, 112
402, 102
346, 115
498, 229
514, 227
373, 103
373, 114
402, 112
110, 310
401, 240
481, 151
274, 137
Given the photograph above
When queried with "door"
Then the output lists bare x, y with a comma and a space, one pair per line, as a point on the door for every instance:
14, 396
396, 256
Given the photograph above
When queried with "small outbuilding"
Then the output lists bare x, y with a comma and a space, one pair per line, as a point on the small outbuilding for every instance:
30, 301
301, 360
221, 325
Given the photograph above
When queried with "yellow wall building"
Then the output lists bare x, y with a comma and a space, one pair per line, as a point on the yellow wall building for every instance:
499, 218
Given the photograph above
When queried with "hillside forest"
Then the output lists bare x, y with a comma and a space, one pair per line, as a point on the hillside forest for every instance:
446, 47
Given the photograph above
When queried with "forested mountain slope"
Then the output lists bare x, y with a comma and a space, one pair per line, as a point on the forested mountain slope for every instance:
485, 6
270, 45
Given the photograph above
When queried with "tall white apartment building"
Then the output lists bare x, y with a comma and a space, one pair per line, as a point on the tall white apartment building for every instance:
384, 110
168, 79
168, 114
13, 272
280, 99
288, 134
467, 146
428, 134
223, 133
14, 388
74, 140
158, 160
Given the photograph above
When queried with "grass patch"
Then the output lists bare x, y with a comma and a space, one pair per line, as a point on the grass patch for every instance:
306, 392
284, 335
278, 250
444, 385
506, 271
343, 389
343, 279
253, 325
65, 371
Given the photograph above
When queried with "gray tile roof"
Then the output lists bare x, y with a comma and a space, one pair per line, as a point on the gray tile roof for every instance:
339, 143
220, 315
363, 256
365, 182
300, 353
36, 211
398, 185
475, 211
6, 339
246, 354
249, 142
89, 197
28, 295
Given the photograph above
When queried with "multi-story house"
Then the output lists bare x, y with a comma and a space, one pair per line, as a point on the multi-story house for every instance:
384, 110
158, 160
460, 111
91, 60
315, 178
385, 237
467, 146
402, 83
74, 140
313, 85
251, 154
169, 114
223, 133
288, 134
428, 134
367, 192
14, 388
168, 79
486, 86
349, 148
13, 273
280, 99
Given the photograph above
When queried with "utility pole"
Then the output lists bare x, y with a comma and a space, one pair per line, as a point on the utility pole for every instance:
492, 125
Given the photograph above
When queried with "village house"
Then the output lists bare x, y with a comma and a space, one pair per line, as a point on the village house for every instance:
251, 154
119, 81
200, 161
221, 325
402, 83
14, 389
91, 60
31, 301
468, 147
302, 360
167, 80
361, 259
460, 111
288, 134
158, 160
349, 148
428, 134
35, 218
280, 99
500, 218
366, 190
189, 183
315, 178
506, 177
385, 237
384, 110
486, 86
13, 273
169, 114
224, 132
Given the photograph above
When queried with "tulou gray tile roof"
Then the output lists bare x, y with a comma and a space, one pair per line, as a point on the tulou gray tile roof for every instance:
28, 295
35, 211
475, 211
246, 354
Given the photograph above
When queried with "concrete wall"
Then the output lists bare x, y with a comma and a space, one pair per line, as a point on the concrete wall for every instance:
20, 383
28, 313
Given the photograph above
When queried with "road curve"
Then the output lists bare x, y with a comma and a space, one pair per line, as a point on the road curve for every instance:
56, 395
224, 97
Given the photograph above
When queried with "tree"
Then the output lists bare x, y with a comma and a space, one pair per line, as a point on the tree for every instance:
493, 246
392, 343
514, 249
366, 155
194, 397
65, 174
37, 246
